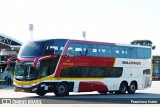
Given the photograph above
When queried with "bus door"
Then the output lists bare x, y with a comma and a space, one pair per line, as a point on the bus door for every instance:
146, 78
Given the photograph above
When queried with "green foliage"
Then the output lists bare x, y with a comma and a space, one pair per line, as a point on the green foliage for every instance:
143, 43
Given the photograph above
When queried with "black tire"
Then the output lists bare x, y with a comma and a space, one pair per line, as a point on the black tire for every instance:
62, 89
117, 92
111, 92
132, 88
102, 92
122, 88
40, 93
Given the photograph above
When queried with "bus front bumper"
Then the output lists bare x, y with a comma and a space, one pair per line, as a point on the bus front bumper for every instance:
32, 89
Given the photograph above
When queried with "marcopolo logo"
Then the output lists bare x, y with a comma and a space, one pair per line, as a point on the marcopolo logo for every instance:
131, 62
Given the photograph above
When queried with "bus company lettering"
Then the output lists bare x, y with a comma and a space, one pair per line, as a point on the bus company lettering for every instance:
68, 62
131, 62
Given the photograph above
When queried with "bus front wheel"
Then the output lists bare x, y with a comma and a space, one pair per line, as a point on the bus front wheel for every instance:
40, 93
62, 89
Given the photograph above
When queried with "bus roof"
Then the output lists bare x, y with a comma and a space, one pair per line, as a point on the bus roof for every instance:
93, 42
108, 43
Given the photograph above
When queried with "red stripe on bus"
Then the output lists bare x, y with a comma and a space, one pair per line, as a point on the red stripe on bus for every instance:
92, 86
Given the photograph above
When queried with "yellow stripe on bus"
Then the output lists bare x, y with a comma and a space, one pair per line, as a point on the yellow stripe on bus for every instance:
50, 78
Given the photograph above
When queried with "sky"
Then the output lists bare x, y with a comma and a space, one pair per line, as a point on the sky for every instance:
115, 21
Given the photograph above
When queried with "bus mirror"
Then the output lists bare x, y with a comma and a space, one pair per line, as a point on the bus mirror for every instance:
10, 59
37, 64
37, 61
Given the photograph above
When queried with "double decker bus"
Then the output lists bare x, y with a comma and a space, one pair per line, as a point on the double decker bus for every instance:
63, 65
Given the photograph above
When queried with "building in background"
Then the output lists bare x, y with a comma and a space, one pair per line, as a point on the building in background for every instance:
8, 47
156, 67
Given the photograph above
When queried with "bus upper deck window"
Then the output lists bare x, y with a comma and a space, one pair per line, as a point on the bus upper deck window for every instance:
49, 51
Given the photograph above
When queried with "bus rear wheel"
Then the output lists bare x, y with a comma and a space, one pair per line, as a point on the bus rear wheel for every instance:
122, 88
62, 89
132, 88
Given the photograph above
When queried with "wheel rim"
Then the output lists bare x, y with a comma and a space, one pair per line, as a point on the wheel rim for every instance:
132, 87
123, 89
61, 89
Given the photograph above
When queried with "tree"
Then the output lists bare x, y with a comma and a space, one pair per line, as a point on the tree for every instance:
144, 43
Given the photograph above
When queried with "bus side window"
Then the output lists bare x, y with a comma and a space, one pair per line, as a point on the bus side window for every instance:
105, 51
85, 52
70, 51
118, 51
74, 49
147, 52
49, 51
140, 53
131, 52
53, 48
91, 49
44, 72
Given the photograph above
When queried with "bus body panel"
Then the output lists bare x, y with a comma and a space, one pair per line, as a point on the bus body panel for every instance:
71, 70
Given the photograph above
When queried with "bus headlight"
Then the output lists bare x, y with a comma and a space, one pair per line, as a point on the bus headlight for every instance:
34, 89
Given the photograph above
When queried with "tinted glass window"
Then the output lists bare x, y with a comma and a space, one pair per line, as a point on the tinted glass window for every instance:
54, 47
140, 53
147, 52
80, 49
130, 52
75, 49
118, 51
105, 51
88, 72
31, 49
35, 49
91, 49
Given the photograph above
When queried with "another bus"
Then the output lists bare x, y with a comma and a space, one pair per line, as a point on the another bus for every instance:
62, 66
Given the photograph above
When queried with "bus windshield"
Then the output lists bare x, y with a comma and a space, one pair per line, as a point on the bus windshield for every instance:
42, 48
25, 71
31, 49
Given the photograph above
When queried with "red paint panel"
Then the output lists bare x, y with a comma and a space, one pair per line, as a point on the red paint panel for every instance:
84, 61
92, 86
